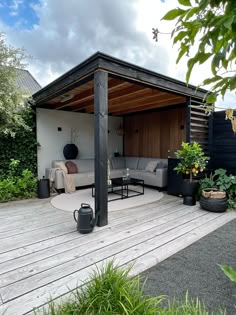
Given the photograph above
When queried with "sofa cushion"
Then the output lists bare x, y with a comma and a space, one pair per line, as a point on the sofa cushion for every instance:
71, 167
143, 161
151, 166
117, 163
62, 166
131, 162
161, 165
85, 165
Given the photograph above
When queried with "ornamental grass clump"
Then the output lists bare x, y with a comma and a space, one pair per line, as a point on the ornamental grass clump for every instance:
111, 291
192, 160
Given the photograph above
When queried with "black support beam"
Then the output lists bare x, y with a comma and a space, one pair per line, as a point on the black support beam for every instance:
101, 143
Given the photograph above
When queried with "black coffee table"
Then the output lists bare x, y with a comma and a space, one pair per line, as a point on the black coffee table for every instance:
121, 186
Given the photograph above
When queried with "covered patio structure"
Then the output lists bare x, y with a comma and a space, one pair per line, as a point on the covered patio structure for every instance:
158, 112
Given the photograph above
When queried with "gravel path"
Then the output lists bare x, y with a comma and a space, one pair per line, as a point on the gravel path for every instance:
195, 269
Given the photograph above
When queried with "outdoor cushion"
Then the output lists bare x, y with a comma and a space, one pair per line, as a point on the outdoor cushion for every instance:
117, 162
161, 165
72, 168
131, 162
62, 166
151, 166
85, 165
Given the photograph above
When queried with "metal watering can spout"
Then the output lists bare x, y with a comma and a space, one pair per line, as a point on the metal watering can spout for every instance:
84, 218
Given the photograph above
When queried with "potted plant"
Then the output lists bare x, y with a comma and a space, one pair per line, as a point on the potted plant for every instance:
192, 162
218, 191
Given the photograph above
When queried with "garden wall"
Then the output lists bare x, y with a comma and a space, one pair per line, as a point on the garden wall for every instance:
223, 146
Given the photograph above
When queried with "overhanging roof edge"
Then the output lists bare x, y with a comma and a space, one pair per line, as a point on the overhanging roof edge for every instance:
113, 65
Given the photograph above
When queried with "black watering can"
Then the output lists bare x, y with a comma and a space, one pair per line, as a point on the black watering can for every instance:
84, 218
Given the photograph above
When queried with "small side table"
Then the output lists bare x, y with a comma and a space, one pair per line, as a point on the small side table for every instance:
43, 188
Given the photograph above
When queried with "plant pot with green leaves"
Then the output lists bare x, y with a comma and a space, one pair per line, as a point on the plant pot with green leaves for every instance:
218, 191
192, 162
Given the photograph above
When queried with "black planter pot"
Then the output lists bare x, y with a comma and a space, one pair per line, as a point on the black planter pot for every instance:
189, 191
213, 204
70, 151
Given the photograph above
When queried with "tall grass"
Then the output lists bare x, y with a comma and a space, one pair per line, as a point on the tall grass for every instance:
110, 291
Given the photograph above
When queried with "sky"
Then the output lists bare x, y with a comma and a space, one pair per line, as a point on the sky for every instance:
59, 34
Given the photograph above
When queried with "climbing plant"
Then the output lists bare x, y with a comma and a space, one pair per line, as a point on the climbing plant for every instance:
22, 147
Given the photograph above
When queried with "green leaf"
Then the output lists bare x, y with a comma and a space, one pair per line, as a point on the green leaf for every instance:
212, 80
173, 14
211, 98
229, 272
183, 51
228, 22
191, 13
186, 3
179, 36
191, 64
203, 57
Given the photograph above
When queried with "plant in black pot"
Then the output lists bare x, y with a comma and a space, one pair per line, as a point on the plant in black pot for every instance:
218, 191
192, 162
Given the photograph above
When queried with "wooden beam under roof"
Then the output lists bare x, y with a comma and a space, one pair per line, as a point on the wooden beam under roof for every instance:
114, 84
131, 91
144, 107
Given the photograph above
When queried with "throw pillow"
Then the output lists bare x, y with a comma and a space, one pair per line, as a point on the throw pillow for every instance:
62, 166
71, 167
161, 165
151, 166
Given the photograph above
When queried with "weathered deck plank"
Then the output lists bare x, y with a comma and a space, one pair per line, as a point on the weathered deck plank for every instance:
50, 257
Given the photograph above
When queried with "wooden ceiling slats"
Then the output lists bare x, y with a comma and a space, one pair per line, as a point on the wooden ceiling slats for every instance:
123, 97
143, 104
131, 91
132, 98
152, 106
87, 94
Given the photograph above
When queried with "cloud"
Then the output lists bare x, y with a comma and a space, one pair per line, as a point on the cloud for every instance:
72, 31
67, 32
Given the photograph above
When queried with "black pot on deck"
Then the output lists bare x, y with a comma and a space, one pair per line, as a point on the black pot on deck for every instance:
189, 192
70, 151
43, 188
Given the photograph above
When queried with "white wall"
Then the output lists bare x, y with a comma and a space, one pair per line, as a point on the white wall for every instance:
53, 141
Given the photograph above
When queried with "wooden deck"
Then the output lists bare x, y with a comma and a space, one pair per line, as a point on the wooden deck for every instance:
42, 255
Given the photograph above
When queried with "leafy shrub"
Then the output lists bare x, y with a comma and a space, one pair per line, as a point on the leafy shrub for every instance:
111, 291
13, 186
223, 182
22, 147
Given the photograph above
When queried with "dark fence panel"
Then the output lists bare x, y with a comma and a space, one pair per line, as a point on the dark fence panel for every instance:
223, 149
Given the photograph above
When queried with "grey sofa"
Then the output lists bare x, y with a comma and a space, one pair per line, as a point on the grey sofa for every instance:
118, 165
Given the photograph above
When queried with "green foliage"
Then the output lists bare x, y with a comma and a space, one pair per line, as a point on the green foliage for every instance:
22, 147
14, 186
192, 159
229, 272
223, 182
209, 26
11, 97
111, 291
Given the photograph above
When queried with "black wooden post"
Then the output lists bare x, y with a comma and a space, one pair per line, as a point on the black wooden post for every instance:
101, 143
188, 119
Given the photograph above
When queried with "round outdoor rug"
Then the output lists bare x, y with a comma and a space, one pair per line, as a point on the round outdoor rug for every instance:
72, 201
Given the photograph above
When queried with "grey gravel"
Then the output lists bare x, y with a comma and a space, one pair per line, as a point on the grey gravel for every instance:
196, 269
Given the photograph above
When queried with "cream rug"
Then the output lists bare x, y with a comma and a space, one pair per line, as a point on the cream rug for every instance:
70, 202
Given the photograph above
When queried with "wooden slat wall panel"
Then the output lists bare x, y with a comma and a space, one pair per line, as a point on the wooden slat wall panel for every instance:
198, 125
152, 134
